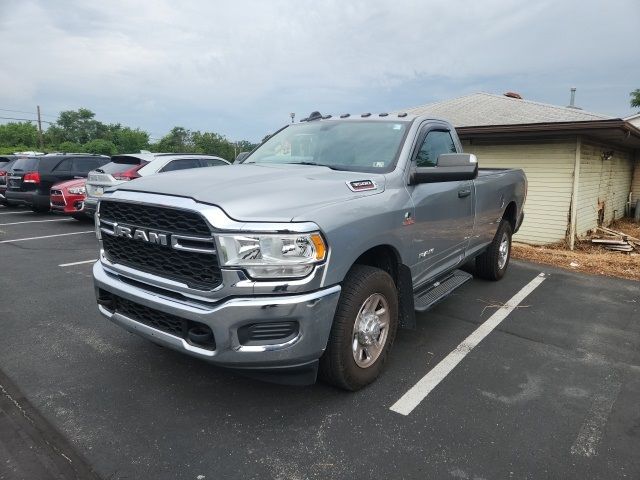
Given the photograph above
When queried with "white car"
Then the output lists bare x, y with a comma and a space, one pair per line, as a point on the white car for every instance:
127, 167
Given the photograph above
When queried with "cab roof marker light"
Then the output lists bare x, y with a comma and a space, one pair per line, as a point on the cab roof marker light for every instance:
384, 114
365, 115
345, 115
314, 116
403, 114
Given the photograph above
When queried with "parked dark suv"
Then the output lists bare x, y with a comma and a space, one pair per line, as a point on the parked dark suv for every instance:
32, 177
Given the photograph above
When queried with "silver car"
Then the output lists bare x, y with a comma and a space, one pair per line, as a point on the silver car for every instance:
129, 166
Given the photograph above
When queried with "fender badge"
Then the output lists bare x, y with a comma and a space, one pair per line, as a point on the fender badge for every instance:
361, 185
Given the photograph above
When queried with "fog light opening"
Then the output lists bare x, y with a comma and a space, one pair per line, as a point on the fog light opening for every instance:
200, 335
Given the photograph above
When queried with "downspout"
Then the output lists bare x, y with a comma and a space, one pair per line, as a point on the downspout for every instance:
574, 195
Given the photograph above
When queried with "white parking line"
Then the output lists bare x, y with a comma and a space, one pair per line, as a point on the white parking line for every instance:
13, 213
593, 427
37, 221
426, 384
45, 236
77, 263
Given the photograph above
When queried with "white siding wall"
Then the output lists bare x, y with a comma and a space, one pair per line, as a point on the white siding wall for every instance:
549, 168
603, 184
635, 183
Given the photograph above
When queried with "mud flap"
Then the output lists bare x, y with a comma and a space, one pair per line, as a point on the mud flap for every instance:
406, 311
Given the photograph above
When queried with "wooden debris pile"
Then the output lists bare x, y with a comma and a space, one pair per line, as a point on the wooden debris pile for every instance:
616, 241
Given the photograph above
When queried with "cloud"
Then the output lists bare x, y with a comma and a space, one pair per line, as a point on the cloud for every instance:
240, 67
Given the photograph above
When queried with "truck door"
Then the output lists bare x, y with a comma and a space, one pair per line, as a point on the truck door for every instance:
443, 210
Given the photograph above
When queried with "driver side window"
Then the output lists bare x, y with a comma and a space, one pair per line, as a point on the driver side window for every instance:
435, 143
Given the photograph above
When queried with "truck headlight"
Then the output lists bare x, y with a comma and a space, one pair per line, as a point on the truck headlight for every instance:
78, 190
272, 255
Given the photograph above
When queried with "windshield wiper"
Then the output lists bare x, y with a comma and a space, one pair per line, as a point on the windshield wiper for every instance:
315, 165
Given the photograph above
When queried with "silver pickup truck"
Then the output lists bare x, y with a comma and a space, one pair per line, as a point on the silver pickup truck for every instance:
308, 255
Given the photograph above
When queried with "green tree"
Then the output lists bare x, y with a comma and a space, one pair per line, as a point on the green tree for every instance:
78, 126
16, 148
635, 98
178, 140
128, 140
18, 134
245, 146
70, 147
100, 146
212, 144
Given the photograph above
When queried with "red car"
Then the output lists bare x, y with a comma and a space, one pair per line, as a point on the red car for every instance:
68, 197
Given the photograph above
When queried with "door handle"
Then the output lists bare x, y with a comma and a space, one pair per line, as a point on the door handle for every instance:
464, 193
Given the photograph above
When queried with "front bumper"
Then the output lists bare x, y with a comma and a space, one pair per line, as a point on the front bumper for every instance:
313, 311
90, 205
67, 203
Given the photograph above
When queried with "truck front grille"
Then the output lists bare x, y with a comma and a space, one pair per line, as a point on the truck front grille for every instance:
158, 218
197, 270
165, 322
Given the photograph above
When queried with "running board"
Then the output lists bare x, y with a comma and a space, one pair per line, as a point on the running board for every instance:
427, 297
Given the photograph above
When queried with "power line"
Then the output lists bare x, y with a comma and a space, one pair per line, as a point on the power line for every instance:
25, 119
23, 111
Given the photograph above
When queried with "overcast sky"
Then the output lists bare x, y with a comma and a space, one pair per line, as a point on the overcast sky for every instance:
240, 67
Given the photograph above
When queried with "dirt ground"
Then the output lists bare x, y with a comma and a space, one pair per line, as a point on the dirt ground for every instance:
587, 257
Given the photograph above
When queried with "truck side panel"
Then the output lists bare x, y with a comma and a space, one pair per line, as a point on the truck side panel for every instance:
495, 190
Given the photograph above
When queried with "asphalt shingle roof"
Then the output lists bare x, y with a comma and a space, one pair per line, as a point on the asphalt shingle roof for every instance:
480, 109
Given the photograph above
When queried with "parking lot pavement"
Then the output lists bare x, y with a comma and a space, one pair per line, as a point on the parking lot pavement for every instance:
551, 392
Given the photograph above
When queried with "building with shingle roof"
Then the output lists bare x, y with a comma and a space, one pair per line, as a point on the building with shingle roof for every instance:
490, 109
583, 168
634, 120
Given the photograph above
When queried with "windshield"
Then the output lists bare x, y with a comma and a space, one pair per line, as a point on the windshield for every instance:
359, 146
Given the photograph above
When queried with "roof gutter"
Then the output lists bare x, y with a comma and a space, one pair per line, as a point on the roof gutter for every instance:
615, 123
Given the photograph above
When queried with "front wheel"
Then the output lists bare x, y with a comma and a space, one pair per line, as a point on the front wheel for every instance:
493, 263
363, 330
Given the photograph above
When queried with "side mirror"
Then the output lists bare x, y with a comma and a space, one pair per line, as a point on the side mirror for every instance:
241, 156
451, 167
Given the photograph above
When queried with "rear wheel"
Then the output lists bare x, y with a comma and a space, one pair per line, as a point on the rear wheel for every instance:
363, 330
493, 263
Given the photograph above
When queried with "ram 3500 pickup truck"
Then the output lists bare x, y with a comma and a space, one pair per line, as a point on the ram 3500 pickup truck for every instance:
307, 256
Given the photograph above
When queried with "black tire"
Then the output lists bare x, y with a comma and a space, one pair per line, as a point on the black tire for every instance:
488, 264
338, 365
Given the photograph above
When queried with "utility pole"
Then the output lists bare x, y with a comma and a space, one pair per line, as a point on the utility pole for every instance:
40, 130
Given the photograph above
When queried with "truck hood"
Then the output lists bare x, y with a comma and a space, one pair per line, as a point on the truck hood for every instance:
260, 193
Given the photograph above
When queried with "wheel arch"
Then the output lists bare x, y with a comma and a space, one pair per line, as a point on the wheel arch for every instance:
387, 258
511, 215
384, 257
